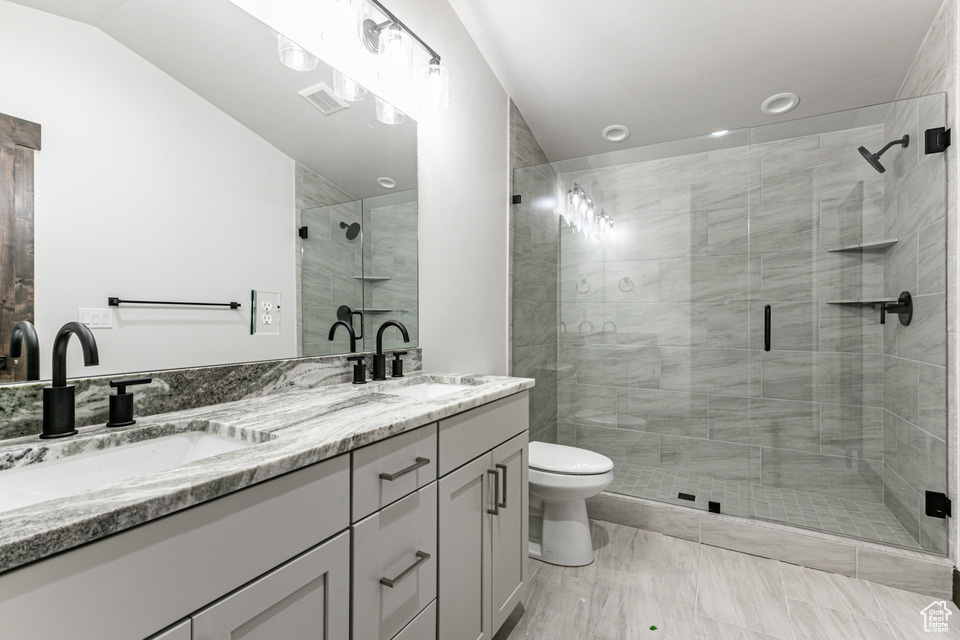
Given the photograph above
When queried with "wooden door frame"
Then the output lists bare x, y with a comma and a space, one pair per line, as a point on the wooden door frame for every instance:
19, 139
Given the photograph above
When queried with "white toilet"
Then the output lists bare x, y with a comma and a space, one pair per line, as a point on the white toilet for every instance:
561, 480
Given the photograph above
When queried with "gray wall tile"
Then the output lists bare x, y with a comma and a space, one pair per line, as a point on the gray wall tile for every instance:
710, 458
670, 412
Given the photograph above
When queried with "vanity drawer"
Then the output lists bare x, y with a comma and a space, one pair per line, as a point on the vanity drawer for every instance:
475, 432
386, 471
396, 546
423, 627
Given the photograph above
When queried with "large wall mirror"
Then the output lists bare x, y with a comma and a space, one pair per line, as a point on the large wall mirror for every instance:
183, 161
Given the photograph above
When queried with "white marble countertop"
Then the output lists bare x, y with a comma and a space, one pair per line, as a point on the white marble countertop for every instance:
292, 429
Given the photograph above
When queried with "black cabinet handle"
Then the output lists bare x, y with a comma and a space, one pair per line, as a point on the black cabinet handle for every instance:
503, 467
766, 328
420, 462
422, 556
495, 511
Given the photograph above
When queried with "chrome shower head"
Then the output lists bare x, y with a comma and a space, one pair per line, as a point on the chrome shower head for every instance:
874, 158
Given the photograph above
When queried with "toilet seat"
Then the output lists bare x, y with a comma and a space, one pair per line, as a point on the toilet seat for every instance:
560, 459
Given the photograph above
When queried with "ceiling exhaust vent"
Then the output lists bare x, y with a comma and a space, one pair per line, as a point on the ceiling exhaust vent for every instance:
323, 98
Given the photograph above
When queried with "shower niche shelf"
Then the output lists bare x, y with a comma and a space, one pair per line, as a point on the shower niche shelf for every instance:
391, 310
866, 246
862, 301
372, 278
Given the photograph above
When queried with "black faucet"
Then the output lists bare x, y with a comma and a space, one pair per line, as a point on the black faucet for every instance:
380, 360
58, 407
24, 333
353, 336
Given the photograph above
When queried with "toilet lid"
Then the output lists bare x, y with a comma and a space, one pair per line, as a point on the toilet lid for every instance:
557, 458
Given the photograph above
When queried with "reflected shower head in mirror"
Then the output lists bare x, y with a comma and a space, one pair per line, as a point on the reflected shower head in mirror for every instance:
353, 230
874, 158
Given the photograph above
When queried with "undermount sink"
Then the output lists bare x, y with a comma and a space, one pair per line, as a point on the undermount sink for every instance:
65, 476
427, 390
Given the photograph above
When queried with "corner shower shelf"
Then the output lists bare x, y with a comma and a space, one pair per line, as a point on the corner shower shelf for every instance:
378, 310
877, 244
372, 278
863, 301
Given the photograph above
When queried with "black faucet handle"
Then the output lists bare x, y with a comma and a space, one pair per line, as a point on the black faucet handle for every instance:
359, 369
121, 384
121, 404
397, 364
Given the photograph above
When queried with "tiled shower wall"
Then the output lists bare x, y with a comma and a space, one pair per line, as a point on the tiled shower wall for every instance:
390, 260
533, 277
919, 421
319, 269
661, 330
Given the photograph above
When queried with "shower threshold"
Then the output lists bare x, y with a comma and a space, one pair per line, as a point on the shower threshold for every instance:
856, 518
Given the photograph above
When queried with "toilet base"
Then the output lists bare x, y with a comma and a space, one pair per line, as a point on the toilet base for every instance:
565, 540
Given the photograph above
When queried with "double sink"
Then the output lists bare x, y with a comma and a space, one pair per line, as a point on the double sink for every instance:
86, 470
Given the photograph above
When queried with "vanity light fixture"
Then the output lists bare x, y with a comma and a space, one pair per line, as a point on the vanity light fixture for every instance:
348, 88
392, 41
294, 56
342, 31
585, 216
387, 113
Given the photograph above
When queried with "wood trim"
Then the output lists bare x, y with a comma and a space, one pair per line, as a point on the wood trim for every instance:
21, 132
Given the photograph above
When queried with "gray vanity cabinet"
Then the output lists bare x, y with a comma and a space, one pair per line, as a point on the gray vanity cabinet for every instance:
394, 565
307, 598
482, 512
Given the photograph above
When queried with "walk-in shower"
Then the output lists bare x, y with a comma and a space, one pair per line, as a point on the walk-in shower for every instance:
723, 344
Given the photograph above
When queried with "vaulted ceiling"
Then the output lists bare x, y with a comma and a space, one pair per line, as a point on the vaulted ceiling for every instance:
672, 69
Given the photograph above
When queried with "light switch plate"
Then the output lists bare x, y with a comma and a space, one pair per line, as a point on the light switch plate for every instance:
265, 313
96, 318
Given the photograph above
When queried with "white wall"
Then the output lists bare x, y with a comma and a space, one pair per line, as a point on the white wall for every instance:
463, 181
144, 190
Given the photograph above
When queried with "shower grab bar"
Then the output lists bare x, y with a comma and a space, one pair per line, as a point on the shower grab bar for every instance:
766, 328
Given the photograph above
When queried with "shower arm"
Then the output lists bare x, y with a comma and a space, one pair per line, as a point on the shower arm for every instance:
905, 141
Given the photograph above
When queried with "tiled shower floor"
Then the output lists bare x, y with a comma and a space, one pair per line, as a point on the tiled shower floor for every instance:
866, 520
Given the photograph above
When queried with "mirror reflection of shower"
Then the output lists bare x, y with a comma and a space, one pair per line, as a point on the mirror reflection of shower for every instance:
353, 230
874, 158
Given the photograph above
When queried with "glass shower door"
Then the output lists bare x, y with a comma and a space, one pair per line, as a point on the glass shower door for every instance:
849, 413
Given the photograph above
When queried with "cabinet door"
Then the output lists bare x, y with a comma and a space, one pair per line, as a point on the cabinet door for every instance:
509, 530
464, 552
306, 598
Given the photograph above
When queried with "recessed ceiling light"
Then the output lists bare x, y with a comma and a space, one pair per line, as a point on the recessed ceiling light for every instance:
720, 134
387, 183
780, 103
616, 133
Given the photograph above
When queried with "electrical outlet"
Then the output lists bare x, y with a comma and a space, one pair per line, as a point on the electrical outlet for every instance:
96, 318
265, 313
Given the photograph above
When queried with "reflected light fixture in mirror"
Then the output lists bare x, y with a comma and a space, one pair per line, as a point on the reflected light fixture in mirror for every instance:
348, 88
387, 113
343, 30
435, 92
294, 56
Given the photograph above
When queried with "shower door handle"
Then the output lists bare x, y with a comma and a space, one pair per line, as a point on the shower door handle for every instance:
766, 328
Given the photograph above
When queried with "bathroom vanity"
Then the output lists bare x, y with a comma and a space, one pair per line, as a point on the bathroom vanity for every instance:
398, 510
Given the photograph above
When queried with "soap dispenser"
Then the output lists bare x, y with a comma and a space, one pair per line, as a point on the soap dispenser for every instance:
121, 404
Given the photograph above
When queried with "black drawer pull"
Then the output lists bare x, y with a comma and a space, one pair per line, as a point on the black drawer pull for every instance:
766, 328
503, 467
495, 511
421, 462
422, 556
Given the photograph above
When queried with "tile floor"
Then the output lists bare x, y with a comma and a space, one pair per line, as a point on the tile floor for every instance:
866, 520
690, 591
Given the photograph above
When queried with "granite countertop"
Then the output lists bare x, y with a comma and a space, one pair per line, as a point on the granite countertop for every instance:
292, 430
